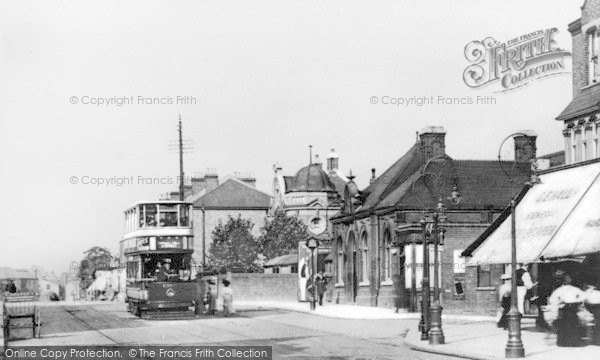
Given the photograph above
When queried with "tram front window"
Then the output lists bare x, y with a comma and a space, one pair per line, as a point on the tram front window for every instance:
183, 215
149, 214
168, 215
167, 268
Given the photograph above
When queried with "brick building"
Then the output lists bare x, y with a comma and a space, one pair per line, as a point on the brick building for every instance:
377, 248
214, 203
582, 116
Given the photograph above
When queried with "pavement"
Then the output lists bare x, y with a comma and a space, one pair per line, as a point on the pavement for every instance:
467, 336
484, 340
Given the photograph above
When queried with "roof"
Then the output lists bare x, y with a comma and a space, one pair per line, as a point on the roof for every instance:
8, 273
586, 102
338, 183
289, 259
311, 178
482, 184
234, 194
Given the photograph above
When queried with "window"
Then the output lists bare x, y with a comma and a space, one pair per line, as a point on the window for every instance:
594, 55
484, 275
387, 256
364, 257
340, 262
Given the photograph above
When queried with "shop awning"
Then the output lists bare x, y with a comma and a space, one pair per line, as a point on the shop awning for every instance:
559, 217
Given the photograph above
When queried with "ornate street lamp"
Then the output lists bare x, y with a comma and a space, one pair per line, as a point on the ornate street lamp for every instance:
436, 334
312, 244
514, 345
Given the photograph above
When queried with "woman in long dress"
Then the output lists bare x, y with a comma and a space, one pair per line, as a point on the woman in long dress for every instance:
568, 300
227, 298
504, 292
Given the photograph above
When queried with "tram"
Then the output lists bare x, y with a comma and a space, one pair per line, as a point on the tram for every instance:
157, 249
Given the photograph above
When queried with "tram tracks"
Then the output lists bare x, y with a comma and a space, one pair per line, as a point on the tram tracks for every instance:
90, 326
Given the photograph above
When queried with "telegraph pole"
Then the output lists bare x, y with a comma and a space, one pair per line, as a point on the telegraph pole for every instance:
181, 182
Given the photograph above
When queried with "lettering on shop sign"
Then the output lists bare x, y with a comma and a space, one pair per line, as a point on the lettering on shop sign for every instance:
552, 195
593, 223
539, 215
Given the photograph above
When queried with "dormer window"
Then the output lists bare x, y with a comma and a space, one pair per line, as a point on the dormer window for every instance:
594, 55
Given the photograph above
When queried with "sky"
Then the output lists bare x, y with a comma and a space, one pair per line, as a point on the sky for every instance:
268, 77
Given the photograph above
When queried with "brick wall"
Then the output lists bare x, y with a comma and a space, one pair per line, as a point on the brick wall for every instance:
580, 62
590, 11
212, 218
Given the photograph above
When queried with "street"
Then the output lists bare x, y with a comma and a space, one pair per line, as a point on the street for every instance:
293, 335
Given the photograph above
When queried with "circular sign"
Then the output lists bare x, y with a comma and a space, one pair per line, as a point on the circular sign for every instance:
317, 226
170, 292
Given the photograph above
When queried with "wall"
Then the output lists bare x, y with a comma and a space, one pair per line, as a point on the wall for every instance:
256, 286
212, 218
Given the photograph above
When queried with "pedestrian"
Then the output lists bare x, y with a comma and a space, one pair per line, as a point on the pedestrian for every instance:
227, 298
321, 286
11, 287
200, 294
524, 284
504, 296
568, 300
212, 297
592, 303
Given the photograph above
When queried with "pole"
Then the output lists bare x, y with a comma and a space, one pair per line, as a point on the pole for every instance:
514, 346
436, 335
425, 287
413, 276
203, 238
181, 183
312, 279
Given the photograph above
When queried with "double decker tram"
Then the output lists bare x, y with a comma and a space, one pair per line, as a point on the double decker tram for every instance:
157, 247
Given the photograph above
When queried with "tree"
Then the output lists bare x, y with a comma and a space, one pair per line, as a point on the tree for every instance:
234, 246
96, 258
281, 234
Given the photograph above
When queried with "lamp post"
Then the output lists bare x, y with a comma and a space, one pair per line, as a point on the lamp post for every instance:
424, 325
431, 319
313, 244
436, 334
514, 345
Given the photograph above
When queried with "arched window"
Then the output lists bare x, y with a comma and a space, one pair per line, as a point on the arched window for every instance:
387, 256
340, 262
364, 256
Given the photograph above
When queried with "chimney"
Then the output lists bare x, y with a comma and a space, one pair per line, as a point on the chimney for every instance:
433, 141
211, 180
373, 177
332, 161
525, 146
198, 184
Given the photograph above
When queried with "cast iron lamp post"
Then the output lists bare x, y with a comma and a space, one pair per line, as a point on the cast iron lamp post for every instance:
436, 334
313, 244
431, 321
514, 345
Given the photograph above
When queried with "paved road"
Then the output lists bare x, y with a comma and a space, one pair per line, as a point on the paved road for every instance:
292, 335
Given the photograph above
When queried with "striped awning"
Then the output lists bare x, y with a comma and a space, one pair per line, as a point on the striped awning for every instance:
560, 217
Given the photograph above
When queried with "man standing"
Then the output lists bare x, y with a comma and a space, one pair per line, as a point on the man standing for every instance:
524, 283
321, 284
